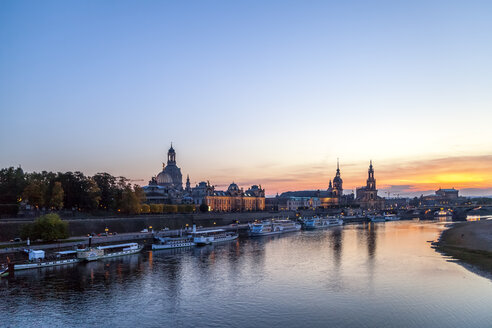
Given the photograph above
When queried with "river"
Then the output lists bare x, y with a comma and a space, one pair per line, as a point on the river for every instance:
367, 275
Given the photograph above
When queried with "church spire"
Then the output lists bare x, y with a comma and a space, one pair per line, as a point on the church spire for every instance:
188, 185
337, 182
371, 182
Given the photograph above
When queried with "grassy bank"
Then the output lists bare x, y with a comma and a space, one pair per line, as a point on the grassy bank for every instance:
470, 242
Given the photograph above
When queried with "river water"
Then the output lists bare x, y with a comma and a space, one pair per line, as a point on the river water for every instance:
367, 275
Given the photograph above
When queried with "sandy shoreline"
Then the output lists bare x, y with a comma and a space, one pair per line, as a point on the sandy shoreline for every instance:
470, 242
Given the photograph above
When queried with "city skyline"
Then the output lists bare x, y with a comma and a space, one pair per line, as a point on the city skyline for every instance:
421, 178
274, 98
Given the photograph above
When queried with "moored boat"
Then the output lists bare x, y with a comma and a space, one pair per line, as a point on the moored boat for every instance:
103, 252
37, 260
272, 227
173, 242
335, 221
391, 217
378, 218
320, 223
207, 237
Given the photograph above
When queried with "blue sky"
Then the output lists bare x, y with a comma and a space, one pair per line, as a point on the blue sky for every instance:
270, 92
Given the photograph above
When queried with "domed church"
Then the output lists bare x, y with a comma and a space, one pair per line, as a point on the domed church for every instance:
170, 176
167, 188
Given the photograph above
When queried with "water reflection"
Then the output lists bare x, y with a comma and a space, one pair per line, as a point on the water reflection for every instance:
367, 275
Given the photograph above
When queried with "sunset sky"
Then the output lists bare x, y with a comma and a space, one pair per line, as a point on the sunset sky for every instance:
256, 92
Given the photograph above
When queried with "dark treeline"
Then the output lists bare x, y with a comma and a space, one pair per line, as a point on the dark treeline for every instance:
69, 190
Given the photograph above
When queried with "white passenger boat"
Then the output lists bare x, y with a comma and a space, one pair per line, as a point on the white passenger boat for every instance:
391, 217
37, 260
214, 236
272, 227
44, 264
320, 223
104, 252
335, 221
173, 242
378, 218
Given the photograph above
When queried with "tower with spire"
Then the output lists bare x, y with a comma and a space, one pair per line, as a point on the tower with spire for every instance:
337, 182
371, 182
367, 196
188, 185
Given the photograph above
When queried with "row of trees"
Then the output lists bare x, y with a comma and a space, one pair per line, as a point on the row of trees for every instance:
69, 190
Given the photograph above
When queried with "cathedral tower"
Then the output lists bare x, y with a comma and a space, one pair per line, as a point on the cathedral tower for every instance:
371, 182
337, 182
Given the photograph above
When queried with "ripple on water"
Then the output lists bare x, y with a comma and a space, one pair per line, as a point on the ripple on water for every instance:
383, 275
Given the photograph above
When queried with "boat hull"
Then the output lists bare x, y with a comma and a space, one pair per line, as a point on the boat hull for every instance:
122, 253
268, 233
202, 241
44, 264
158, 247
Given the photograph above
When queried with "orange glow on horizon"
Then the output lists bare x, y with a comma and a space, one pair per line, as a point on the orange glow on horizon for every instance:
411, 177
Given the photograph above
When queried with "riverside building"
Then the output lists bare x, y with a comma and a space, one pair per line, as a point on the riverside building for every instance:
167, 188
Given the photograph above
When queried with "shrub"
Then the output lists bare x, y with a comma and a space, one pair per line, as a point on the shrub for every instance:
144, 208
170, 208
156, 208
48, 227
204, 208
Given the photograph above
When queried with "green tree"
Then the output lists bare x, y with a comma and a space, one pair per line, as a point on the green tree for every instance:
189, 208
130, 204
186, 208
48, 227
203, 208
144, 208
107, 185
57, 195
156, 208
12, 184
93, 195
170, 208
34, 194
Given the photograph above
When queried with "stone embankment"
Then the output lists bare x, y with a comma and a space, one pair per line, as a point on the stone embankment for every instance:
10, 229
470, 242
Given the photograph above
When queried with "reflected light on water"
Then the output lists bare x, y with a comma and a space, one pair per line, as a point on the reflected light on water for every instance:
367, 275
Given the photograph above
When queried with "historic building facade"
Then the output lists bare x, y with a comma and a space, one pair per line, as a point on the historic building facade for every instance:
167, 188
170, 176
235, 199
367, 197
331, 197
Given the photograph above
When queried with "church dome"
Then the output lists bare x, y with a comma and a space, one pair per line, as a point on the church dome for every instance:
164, 179
233, 187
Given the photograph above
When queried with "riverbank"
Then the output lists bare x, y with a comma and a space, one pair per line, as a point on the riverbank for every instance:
470, 242
81, 226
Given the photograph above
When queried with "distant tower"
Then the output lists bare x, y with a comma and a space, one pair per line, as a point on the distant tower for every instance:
371, 182
171, 156
330, 187
188, 186
337, 182
170, 176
